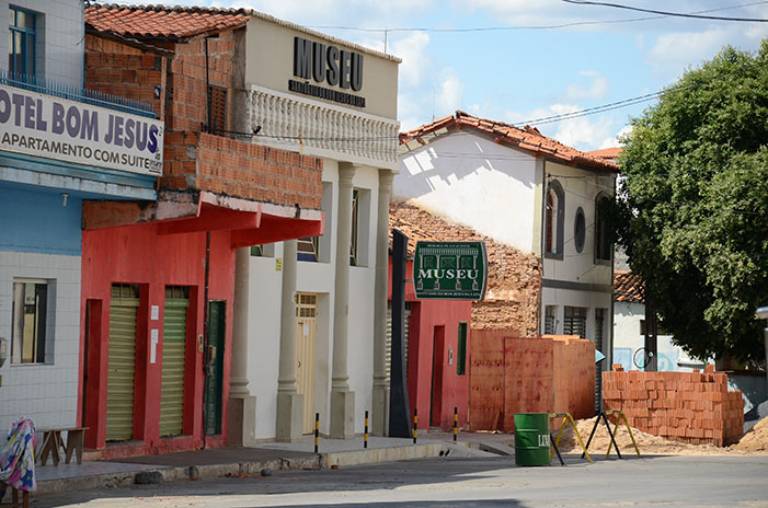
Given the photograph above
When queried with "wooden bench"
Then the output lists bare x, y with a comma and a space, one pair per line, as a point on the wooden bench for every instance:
15, 498
52, 442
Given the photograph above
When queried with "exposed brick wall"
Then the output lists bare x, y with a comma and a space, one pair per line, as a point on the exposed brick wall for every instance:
188, 109
692, 407
511, 374
118, 69
514, 277
196, 161
244, 170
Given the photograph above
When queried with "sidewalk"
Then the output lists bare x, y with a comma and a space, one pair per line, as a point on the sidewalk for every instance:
212, 463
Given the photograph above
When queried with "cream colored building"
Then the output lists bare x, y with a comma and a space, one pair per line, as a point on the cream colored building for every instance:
310, 315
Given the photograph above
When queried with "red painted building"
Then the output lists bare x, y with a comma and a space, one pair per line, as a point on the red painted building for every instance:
437, 356
158, 278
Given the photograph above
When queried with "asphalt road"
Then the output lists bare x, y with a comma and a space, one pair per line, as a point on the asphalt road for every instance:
482, 483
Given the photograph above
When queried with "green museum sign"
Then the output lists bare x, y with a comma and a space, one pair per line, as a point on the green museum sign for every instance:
450, 270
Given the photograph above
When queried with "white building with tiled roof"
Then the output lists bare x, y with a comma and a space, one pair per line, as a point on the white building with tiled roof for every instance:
529, 191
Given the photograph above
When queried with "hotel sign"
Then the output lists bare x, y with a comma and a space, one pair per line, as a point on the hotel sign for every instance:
69, 131
340, 69
450, 270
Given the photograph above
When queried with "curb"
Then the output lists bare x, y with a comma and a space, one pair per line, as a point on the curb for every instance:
328, 460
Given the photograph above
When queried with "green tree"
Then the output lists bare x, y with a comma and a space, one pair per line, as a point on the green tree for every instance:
694, 213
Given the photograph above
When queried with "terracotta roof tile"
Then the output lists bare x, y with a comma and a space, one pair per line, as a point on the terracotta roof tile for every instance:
163, 22
627, 287
608, 154
526, 138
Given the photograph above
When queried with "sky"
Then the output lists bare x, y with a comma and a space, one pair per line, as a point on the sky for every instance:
522, 74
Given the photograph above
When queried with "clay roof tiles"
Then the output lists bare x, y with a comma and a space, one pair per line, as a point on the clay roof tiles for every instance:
163, 22
526, 138
609, 154
628, 287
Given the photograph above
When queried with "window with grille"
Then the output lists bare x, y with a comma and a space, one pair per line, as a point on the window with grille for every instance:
30, 321
575, 321
550, 319
306, 305
217, 109
22, 42
307, 248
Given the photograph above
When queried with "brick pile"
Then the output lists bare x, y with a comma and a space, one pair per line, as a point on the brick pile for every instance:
511, 374
690, 407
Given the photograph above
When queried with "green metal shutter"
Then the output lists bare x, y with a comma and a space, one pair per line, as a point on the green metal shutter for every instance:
122, 362
174, 349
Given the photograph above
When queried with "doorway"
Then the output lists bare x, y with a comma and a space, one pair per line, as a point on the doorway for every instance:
438, 353
123, 312
306, 333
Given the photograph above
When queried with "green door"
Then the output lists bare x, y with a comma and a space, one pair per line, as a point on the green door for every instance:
214, 378
174, 352
122, 362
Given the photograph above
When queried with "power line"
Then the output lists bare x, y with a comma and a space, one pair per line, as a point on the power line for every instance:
503, 28
667, 13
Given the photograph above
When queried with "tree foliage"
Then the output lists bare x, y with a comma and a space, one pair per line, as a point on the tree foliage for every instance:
694, 214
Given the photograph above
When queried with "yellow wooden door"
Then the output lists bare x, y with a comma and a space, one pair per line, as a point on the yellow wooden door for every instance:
306, 330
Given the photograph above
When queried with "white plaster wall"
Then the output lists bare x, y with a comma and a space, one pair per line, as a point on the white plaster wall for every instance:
581, 189
476, 182
627, 339
63, 32
319, 278
46, 393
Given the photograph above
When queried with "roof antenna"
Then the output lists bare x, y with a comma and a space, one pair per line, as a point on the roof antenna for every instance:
386, 34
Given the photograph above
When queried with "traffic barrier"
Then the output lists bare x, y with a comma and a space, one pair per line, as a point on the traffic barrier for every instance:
568, 421
365, 430
455, 424
317, 432
415, 424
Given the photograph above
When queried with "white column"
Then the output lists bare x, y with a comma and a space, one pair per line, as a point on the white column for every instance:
342, 399
242, 406
380, 389
290, 404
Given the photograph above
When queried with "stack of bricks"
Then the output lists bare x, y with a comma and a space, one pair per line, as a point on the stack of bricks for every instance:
693, 407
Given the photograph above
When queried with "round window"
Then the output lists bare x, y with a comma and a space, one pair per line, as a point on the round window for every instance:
579, 230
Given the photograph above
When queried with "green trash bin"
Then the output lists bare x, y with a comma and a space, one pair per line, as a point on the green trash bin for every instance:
532, 439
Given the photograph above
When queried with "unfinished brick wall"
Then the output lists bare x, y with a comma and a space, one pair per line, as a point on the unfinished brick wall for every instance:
692, 407
115, 68
244, 170
510, 374
514, 277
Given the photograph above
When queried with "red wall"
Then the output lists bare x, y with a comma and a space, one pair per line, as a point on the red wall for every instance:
454, 389
139, 255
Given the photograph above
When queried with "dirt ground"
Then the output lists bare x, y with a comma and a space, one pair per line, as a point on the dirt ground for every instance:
753, 442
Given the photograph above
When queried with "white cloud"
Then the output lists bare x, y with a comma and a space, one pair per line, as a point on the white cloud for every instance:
412, 50
584, 133
596, 89
617, 139
449, 94
681, 49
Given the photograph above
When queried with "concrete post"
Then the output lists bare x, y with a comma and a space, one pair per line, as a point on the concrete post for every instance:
290, 404
242, 405
342, 399
380, 388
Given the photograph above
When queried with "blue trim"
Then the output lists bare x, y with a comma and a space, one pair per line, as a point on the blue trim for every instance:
35, 221
40, 165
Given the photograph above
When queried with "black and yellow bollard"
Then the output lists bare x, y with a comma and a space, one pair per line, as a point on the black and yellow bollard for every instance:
365, 431
317, 432
415, 424
455, 424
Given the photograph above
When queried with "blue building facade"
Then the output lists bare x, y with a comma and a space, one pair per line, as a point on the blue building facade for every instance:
60, 146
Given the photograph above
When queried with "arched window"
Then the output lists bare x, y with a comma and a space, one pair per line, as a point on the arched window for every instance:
579, 230
603, 245
554, 216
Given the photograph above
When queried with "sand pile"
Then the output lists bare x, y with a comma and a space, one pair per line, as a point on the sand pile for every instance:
648, 444
756, 440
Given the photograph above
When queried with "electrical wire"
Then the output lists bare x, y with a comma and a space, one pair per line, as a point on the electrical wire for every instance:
503, 28
667, 13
